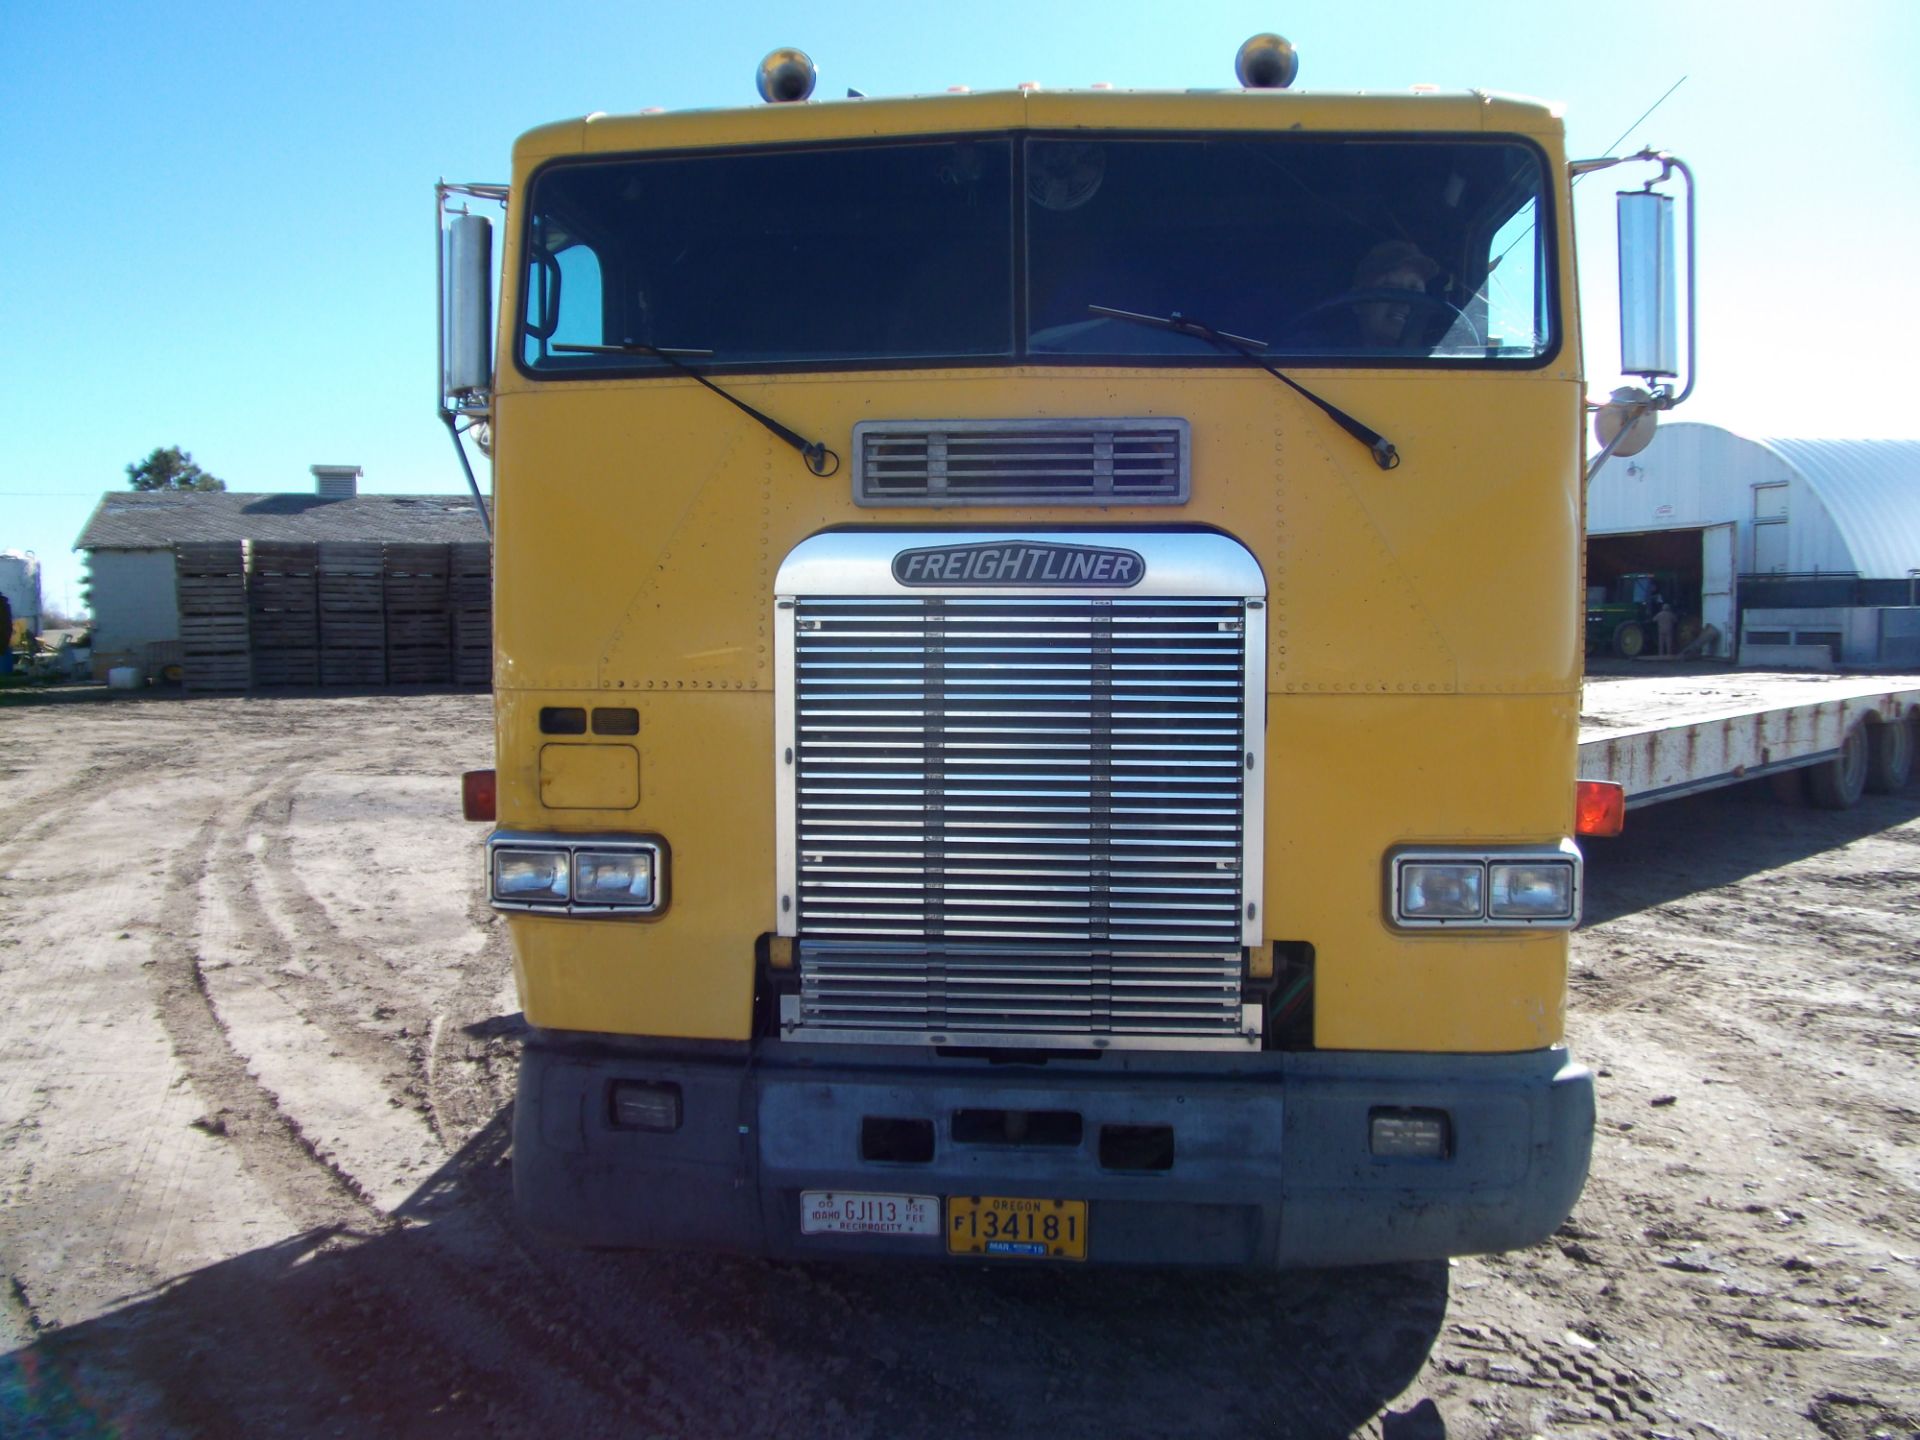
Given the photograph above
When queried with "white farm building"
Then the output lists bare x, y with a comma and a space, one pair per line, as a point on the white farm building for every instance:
1812, 545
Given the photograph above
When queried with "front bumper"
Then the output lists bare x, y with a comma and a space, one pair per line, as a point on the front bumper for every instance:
1271, 1163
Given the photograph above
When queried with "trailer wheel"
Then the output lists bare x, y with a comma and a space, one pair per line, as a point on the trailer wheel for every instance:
1629, 639
1837, 784
1889, 756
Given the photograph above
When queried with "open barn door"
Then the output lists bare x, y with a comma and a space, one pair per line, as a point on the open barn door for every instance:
1716, 584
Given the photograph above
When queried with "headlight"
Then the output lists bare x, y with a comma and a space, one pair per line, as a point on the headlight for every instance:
1507, 887
604, 876
529, 876
1430, 891
1530, 890
613, 877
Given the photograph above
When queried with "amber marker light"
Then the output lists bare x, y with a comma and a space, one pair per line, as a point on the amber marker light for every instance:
477, 794
1600, 808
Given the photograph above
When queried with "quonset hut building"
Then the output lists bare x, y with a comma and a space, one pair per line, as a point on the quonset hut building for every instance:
1800, 552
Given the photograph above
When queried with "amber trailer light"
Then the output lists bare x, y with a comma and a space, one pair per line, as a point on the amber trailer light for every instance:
1600, 808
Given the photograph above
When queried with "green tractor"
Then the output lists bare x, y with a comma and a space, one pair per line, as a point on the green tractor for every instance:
1620, 616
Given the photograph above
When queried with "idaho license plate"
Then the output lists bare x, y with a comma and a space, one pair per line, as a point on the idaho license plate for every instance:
834, 1212
1017, 1228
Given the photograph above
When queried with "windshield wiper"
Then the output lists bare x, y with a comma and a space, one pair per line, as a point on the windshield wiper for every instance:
814, 452
1381, 448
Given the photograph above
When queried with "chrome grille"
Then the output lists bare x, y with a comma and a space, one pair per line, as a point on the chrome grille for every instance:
1020, 818
1114, 461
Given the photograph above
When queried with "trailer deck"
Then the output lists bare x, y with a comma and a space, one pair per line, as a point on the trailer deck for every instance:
1667, 735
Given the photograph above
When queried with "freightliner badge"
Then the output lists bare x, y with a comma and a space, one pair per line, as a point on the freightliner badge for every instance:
1020, 562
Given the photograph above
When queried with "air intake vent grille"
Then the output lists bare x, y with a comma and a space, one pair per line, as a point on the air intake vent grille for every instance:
1020, 820
1021, 462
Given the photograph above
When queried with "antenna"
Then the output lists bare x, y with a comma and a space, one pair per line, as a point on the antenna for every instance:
1638, 123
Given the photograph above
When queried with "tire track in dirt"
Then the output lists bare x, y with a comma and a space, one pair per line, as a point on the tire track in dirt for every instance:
276, 1151
482, 1302
322, 972
1724, 1018
1575, 1385
30, 821
473, 1054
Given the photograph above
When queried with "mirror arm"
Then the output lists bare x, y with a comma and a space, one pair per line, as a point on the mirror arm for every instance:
1593, 465
1669, 164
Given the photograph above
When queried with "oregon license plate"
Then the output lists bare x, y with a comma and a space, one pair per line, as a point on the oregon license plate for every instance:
1018, 1228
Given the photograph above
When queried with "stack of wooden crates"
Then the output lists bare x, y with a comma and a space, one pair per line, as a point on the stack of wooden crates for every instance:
334, 613
419, 632
470, 601
283, 613
211, 581
353, 613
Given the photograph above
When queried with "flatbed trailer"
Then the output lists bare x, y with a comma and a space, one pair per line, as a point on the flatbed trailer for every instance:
1660, 737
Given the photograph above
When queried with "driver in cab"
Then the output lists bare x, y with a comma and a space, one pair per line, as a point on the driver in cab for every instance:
1381, 321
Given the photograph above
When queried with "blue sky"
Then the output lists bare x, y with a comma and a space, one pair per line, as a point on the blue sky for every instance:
217, 216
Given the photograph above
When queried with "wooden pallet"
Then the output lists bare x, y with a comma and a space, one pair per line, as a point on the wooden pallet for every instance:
419, 667
286, 667
469, 574
352, 630
211, 557
353, 667
412, 630
200, 673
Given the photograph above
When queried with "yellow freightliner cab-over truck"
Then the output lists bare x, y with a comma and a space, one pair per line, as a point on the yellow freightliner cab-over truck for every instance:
1038, 641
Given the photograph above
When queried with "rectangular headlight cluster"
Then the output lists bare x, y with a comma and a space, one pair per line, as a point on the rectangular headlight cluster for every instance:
1442, 887
590, 875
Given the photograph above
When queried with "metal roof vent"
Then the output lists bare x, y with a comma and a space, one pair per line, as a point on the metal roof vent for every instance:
336, 482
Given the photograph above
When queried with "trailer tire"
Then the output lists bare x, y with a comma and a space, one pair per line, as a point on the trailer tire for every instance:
1889, 756
1629, 639
1838, 784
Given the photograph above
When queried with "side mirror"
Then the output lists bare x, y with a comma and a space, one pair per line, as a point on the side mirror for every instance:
1649, 278
467, 307
1649, 286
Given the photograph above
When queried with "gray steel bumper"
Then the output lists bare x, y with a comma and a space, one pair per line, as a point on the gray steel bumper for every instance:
1271, 1163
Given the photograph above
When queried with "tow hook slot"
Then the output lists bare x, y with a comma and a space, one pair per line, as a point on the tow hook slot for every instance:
1017, 1127
1136, 1147
896, 1140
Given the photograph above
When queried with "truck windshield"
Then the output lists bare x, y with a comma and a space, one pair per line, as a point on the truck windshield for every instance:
1340, 250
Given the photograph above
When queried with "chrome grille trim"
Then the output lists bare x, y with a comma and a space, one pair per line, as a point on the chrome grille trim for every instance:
1105, 461
989, 839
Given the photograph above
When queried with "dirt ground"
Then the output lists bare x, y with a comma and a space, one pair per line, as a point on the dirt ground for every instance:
257, 1045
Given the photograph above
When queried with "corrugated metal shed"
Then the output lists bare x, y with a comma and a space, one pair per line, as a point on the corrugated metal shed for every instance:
1799, 506
1871, 488
148, 520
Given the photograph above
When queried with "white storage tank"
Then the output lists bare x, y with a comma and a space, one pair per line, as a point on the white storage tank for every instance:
20, 583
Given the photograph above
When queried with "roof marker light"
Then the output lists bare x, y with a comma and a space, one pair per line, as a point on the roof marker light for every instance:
1267, 62
786, 77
